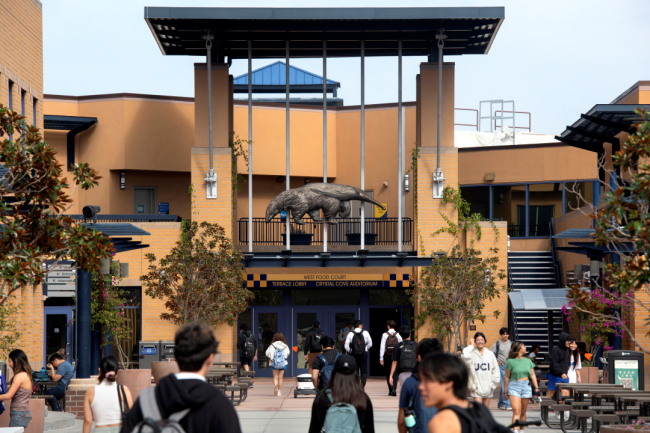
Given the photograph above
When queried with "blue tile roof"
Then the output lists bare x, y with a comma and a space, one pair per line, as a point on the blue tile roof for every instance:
275, 75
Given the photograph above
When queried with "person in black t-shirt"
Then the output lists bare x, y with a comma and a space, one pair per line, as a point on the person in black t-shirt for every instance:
329, 353
244, 334
405, 333
315, 333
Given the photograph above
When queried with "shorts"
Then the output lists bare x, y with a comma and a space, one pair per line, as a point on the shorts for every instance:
19, 418
552, 380
519, 388
245, 361
283, 368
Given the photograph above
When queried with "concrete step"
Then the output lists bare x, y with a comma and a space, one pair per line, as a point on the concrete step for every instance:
76, 428
59, 420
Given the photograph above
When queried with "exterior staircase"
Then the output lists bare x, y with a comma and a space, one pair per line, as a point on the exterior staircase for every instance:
533, 270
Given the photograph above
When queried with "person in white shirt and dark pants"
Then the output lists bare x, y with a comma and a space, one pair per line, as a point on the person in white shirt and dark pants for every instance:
357, 344
389, 340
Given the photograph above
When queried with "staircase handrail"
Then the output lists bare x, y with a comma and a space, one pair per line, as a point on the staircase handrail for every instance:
558, 279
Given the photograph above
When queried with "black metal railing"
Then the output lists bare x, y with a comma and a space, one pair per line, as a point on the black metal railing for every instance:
534, 230
135, 218
346, 231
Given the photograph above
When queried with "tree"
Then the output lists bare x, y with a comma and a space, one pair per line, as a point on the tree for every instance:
623, 224
32, 198
201, 279
453, 290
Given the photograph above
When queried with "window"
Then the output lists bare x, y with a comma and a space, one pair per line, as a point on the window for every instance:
572, 193
509, 204
34, 109
22, 101
544, 204
478, 198
11, 95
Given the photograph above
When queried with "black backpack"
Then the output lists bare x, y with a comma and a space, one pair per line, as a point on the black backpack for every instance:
249, 345
358, 343
479, 418
315, 341
407, 358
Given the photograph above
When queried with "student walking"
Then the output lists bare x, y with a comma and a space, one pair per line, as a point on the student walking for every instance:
559, 366
357, 344
519, 371
443, 385
247, 345
107, 403
63, 374
277, 353
389, 340
20, 391
201, 407
313, 347
321, 371
410, 398
501, 349
575, 364
484, 374
404, 359
343, 402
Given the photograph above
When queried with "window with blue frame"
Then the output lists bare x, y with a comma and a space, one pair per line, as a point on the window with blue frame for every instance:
22, 101
528, 208
34, 110
11, 102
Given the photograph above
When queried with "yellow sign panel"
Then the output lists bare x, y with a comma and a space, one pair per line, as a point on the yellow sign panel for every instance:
324, 277
381, 213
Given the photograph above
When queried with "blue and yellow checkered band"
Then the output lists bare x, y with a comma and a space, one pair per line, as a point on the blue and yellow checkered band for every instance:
396, 280
255, 281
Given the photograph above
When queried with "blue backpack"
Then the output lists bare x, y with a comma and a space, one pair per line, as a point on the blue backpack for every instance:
422, 413
326, 371
340, 417
278, 359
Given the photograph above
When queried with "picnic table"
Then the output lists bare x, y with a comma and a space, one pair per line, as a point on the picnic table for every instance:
232, 364
42, 386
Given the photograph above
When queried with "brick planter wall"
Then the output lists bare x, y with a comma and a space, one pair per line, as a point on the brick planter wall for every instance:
74, 403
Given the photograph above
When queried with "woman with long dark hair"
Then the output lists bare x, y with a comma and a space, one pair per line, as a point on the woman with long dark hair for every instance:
344, 391
484, 374
107, 403
21, 389
277, 353
519, 371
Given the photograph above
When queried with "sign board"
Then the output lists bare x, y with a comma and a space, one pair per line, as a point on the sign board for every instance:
626, 373
61, 281
163, 208
335, 281
571, 279
381, 213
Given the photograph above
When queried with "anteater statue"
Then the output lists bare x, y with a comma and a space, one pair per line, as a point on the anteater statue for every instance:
333, 199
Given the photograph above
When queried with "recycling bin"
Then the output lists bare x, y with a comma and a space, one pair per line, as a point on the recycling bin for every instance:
167, 350
149, 352
624, 367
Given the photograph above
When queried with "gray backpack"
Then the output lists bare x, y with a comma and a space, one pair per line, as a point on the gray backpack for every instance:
152, 421
340, 417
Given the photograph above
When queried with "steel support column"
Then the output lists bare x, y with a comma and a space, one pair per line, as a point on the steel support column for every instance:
83, 325
288, 175
250, 146
400, 175
325, 133
363, 142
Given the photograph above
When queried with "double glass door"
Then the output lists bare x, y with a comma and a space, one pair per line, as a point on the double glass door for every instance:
58, 331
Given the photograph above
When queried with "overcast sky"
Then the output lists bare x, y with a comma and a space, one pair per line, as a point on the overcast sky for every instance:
555, 59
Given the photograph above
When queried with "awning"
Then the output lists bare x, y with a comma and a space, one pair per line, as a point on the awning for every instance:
180, 30
371, 259
590, 249
74, 124
121, 244
538, 299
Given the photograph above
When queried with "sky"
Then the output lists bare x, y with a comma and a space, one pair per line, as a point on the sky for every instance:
555, 59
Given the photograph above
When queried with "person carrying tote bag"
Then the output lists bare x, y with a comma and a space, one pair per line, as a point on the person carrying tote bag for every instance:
484, 375
107, 403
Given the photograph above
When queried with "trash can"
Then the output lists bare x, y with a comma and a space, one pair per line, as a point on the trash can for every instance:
167, 350
624, 367
149, 352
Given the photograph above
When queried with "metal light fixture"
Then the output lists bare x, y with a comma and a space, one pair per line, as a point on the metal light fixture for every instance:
211, 184
122, 180
124, 270
407, 182
106, 266
91, 212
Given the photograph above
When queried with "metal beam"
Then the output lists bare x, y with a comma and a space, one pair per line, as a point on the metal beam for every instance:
250, 146
363, 141
621, 127
288, 134
596, 136
400, 180
596, 147
325, 133
71, 141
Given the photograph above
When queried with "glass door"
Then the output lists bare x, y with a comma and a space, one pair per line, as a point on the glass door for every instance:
339, 323
266, 322
58, 331
303, 318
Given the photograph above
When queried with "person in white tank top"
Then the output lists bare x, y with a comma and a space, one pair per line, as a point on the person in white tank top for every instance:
102, 403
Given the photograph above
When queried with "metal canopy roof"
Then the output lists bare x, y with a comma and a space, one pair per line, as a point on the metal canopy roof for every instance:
179, 30
589, 249
121, 244
273, 79
67, 123
576, 234
335, 260
600, 125
538, 299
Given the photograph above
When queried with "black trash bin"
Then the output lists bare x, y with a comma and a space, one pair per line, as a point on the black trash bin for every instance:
624, 367
149, 352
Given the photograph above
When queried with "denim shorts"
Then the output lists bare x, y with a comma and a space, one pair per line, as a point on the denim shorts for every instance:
519, 388
19, 418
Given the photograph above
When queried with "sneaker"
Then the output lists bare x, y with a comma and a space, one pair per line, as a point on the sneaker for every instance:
509, 408
502, 408
275, 390
279, 394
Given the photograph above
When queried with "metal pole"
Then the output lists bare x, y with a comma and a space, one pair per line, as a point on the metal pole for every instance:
439, 126
363, 141
250, 146
288, 224
399, 146
325, 134
208, 46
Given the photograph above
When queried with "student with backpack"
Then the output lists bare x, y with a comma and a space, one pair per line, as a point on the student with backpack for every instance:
185, 402
247, 345
410, 398
277, 353
324, 363
357, 344
313, 346
404, 359
501, 349
443, 385
484, 374
343, 405
389, 340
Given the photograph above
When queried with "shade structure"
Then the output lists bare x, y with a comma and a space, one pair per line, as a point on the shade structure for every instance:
538, 299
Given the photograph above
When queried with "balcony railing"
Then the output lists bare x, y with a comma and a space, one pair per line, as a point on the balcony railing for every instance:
346, 231
135, 218
534, 230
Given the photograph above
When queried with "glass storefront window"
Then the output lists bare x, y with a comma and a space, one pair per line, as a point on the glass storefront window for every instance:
267, 327
478, 198
572, 200
544, 204
267, 298
303, 325
389, 297
509, 204
325, 297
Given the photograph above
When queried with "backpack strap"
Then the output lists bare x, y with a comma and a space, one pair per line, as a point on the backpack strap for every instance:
149, 405
328, 393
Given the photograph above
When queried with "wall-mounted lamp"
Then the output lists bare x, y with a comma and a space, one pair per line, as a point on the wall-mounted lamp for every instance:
385, 183
122, 180
500, 196
488, 176
211, 184
438, 183
407, 182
